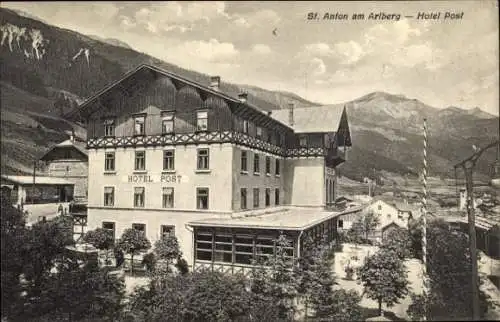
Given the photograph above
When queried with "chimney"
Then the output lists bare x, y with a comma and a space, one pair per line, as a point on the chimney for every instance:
290, 114
243, 97
72, 135
215, 83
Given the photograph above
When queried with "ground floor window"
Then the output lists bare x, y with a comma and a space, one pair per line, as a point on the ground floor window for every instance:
139, 227
110, 228
222, 246
167, 231
203, 244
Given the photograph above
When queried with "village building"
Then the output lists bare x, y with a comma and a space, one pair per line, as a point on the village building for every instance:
391, 212
169, 156
69, 160
38, 196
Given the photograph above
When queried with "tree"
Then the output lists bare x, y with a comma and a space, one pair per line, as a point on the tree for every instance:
201, 296
384, 278
100, 238
320, 293
365, 225
78, 292
132, 242
274, 281
44, 248
369, 223
449, 272
399, 242
13, 239
345, 306
167, 249
415, 231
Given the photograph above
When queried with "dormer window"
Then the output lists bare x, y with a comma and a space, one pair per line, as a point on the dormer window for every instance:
109, 127
303, 141
259, 132
202, 120
167, 122
139, 125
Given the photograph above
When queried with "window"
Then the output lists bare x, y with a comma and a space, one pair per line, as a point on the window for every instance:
202, 120
259, 132
245, 126
204, 246
268, 197
109, 196
168, 197
109, 227
269, 136
277, 167
168, 160
139, 125
340, 223
379, 207
243, 249
244, 159
109, 161
167, 122
202, 198
167, 231
256, 197
203, 158
223, 248
256, 163
139, 227
303, 140
140, 160
268, 165
276, 196
139, 197
109, 127
243, 198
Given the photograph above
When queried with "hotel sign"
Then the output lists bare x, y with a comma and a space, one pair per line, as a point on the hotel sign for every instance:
163, 178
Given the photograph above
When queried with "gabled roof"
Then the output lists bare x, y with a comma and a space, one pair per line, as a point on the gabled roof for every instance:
204, 88
317, 119
79, 146
397, 203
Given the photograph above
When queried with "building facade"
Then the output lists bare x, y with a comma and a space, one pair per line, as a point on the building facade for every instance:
165, 152
38, 196
69, 160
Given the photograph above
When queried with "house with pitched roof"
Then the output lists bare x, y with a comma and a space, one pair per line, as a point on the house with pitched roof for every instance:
68, 160
171, 156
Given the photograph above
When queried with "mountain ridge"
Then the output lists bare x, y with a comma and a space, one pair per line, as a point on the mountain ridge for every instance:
67, 67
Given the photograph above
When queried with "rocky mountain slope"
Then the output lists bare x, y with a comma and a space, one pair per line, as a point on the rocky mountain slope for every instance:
45, 71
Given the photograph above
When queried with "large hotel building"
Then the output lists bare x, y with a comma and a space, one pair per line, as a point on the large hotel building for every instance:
171, 156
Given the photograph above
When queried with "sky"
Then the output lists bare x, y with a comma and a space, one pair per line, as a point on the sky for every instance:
442, 62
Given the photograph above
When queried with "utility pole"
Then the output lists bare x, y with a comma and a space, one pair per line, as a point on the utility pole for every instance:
34, 176
468, 166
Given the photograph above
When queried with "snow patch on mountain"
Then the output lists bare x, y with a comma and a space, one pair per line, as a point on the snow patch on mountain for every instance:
30, 42
84, 51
